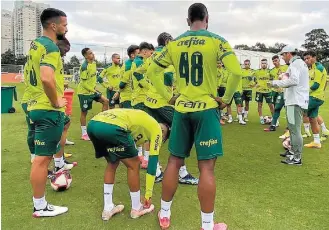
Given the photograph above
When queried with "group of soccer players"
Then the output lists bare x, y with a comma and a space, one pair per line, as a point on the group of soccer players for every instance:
177, 88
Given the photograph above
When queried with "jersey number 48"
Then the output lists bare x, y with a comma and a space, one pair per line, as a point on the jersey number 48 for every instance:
192, 72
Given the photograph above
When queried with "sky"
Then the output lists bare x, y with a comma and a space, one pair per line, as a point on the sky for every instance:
121, 23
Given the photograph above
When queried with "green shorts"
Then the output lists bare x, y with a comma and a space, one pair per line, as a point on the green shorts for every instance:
246, 95
221, 91
313, 107
111, 141
140, 106
30, 129
237, 98
278, 100
162, 115
86, 101
66, 119
125, 105
49, 126
110, 94
260, 97
201, 128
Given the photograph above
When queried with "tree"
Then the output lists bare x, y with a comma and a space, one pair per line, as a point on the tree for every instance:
21, 60
259, 47
242, 47
318, 41
8, 57
276, 48
74, 62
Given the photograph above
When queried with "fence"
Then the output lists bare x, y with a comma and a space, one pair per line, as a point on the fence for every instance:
11, 73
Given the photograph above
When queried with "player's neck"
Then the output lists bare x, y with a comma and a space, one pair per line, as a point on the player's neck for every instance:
199, 25
49, 35
89, 61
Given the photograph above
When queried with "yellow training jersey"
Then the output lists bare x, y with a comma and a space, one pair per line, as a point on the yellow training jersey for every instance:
143, 128
262, 76
139, 80
88, 78
43, 52
222, 77
111, 76
27, 94
275, 73
248, 79
154, 100
318, 74
126, 81
194, 56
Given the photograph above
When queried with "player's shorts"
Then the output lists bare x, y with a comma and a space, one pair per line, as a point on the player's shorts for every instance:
111, 141
246, 95
313, 107
260, 97
278, 100
49, 126
31, 129
221, 91
125, 105
110, 94
200, 128
86, 101
237, 98
275, 95
66, 119
162, 115
140, 106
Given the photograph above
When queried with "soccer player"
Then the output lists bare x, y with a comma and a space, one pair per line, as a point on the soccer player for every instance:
277, 93
159, 108
46, 106
318, 78
262, 76
248, 81
194, 56
114, 134
87, 92
110, 79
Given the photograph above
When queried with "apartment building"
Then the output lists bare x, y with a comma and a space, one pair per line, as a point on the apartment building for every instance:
6, 31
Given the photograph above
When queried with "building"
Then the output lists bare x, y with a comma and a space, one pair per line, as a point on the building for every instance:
26, 24
6, 31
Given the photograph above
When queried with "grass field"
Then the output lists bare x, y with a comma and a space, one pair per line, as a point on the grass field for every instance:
254, 190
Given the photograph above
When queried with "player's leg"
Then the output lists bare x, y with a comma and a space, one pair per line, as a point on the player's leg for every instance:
110, 94
307, 125
30, 132
325, 131
238, 103
259, 100
229, 112
247, 99
268, 99
180, 144
103, 100
85, 105
279, 104
49, 126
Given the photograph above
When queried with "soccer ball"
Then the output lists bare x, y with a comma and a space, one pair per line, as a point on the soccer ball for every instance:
286, 144
267, 119
61, 181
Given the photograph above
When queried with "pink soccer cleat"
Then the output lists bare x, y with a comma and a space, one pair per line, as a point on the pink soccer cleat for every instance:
164, 222
219, 226
85, 137
144, 164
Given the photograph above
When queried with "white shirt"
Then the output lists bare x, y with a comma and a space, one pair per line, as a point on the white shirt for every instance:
297, 87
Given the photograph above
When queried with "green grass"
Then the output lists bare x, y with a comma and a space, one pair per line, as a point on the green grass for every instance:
254, 190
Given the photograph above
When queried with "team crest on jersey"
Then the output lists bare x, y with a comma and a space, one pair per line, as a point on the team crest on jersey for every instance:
192, 41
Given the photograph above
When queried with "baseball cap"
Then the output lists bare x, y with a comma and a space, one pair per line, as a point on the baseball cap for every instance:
289, 49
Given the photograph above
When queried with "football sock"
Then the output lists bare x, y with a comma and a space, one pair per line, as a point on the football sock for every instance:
32, 156
307, 127
140, 151
207, 221
136, 200
84, 130
39, 203
59, 162
246, 114
183, 171
317, 138
165, 209
323, 127
158, 172
240, 117
108, 194
146, 155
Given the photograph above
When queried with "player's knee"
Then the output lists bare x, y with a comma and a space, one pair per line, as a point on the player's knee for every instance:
207, 166
41, 161
176, 161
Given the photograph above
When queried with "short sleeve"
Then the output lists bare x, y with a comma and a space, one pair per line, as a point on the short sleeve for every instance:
50, 59
224, 50
163, 58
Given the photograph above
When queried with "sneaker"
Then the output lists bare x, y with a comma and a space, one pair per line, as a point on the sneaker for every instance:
49, 211
306, 135
292, 161
270, 129
286, 154
285, 135
164, 222
67, 166
219, 226
230, 120
67, 155
262, 122
67, 142
141, 158
141, 212
85, 137
145, 163
159, 178
242, 122
106, 215
313, 145
188, 179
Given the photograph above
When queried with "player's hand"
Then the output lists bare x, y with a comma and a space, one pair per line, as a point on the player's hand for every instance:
172, 101
61, 102
147, 203
221, 104
269, 84
116, 96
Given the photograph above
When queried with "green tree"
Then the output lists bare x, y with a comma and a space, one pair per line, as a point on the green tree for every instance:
242, 47
8, 57
276, 48
74, 62
259, 47
21, 60
318, 41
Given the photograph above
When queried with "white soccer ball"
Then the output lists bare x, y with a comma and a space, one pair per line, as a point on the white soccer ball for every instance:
61, 181
268, 120
286, 144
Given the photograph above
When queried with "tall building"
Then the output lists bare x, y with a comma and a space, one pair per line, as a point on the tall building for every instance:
26, 24
6, 31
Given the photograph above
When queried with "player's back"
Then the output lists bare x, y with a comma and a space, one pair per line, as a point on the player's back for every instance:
194, 55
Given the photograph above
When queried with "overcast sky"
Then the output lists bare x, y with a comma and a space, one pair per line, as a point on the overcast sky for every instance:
121, 23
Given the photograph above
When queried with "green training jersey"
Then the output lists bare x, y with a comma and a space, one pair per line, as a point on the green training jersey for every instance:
318, 74
275, 73
88, 78
111, 76
262, 76
125, 92
248, 79
139, 80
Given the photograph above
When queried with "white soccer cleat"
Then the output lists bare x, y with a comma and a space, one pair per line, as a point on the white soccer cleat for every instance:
67, 142
106, 215
230, 120
141, 212
242, 122
49, 211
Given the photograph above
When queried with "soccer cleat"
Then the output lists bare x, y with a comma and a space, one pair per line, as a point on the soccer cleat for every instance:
262, 122
85, 137
292, 161
67, 142
242, 122
67, 155
286, 154
230, 120
313, 145
188, 179
219, 226
163, 222
144, 164
49, 211
141, 212
285, 135
159, 178
106, 215
141, 158
270, 129
325, 135
277, 124
306, 135
67, 166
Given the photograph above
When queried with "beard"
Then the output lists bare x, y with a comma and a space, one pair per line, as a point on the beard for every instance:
60, 36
